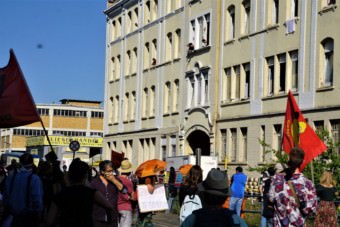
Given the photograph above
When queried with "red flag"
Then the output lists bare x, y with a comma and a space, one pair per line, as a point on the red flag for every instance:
117, 158
296, 132
16, 103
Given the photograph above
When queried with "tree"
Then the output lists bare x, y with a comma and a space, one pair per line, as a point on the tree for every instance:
329, 160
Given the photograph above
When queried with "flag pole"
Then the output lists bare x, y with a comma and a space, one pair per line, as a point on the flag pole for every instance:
46, 134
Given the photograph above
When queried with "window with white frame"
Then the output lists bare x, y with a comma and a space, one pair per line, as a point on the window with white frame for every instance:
224, 145
282, 73
163, 148
263, 141
335, 124
146, 55
127, 62
111, 109
177, 44
167, 97
133, 105
118, 67
236, 84
273, 12
152, 101
199, 33
113, 30
270, 76
230, 23
116, 109
144, 103
113, 68
245, 81
245, 17
294, 70
154, 13
129, 22
243, 145
277, 137
198, 89
119, 27
126, 107
293, 11
147, 12
226, 95
233, 145
134, 61
154, 53
326, 62
175, 106
135, 24
168, 47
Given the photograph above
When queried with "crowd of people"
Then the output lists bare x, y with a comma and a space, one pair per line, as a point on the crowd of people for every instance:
47, 196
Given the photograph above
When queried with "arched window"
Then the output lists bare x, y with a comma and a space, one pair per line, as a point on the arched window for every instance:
168, 47
246, 17
146, 56
327, 52
230, 23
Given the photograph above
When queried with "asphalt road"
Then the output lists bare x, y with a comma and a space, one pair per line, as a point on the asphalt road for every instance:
165, 220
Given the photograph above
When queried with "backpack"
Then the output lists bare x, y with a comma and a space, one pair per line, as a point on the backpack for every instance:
190, 204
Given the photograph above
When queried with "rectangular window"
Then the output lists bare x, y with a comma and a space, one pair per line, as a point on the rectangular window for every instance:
277, 137
237, 82
270, 65
282, 62
295, 69
263, 141
246, 92
233, 139
224, 150
335, 124
243, 147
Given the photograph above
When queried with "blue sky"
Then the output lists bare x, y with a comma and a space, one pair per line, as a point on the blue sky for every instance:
60, 46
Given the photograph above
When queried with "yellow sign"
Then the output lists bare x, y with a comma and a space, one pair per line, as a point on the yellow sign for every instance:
64, 141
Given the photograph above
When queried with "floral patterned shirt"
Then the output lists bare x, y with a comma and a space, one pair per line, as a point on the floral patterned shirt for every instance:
286, 211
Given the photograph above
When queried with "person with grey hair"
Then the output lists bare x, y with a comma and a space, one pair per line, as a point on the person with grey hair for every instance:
213, 214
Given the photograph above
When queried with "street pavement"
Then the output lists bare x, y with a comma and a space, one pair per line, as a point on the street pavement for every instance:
165, 220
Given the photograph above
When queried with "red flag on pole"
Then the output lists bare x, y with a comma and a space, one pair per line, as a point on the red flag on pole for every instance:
16, 103
296, 132
117, 158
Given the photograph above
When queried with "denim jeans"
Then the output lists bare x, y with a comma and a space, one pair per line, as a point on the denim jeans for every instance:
125, 219
235, 204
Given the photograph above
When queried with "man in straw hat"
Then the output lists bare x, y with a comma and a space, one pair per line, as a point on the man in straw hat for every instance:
213, 214
124, 199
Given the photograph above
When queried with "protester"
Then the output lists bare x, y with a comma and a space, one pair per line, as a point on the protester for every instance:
267, 206
238, 183
73, 205
23, 197
326, 212
213, 214
125, 199
108, 185
172, 190
293, 194
191, 184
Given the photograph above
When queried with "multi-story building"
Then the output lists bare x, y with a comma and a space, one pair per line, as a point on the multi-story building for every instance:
70, 119
188, 74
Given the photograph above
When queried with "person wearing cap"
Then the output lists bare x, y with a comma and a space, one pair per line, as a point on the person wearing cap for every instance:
124, 199
23, 196
238, 184
213, 214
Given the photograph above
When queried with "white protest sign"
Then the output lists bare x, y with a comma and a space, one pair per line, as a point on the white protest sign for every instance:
152, 202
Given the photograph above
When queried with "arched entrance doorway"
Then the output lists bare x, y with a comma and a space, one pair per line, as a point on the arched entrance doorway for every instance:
199, 139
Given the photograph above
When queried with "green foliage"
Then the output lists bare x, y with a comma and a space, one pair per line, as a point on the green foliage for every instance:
329, 160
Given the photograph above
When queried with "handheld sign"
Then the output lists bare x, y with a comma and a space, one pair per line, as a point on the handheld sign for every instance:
152, 202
